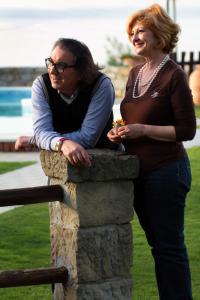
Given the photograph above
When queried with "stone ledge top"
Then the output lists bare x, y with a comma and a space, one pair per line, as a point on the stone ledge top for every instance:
106, 165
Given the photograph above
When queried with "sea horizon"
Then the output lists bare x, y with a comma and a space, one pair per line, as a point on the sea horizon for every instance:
28, 31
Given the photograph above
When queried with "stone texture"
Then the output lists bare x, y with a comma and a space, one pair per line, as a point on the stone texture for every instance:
23, 76
93, 254
91, 233
119, 76
106, 165
114, 289
94, 204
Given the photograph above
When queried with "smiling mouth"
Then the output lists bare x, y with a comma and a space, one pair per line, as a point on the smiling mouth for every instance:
138, 44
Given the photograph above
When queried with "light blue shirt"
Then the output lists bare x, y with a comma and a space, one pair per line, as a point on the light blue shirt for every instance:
98, 113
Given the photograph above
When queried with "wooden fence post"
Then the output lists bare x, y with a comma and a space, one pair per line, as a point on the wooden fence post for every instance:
91, 233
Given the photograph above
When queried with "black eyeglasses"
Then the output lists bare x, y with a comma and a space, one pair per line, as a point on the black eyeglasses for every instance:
59, 67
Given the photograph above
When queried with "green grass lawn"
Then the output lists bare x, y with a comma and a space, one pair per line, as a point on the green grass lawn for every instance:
197, 111
10, 166
24, 243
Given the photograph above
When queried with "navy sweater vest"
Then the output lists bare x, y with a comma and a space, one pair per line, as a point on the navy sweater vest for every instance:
69, 117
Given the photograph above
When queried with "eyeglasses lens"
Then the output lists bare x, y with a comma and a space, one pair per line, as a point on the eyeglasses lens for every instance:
50, 65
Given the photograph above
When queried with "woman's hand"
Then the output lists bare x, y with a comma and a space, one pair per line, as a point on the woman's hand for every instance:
76, 154
156, 132
113, 136
131, 131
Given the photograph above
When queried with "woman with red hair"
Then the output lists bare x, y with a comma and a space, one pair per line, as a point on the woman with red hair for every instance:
158, 113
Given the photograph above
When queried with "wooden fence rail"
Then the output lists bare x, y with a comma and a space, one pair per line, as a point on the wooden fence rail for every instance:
187, 65
33, 277
32, 195
23, 196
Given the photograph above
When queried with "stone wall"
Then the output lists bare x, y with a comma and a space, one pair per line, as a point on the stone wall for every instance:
25, 77
91, 234
19, 76
119, 76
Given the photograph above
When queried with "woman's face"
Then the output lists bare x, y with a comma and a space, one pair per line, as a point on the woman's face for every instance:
144, 41
64, 79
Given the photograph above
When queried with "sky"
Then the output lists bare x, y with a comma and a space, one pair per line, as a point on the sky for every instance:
29, 28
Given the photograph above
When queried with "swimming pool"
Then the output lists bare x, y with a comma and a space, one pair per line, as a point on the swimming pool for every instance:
15, 101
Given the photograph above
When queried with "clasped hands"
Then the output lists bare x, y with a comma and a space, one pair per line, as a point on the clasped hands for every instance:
126, 132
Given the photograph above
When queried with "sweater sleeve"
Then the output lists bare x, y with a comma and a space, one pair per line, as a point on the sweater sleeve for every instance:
183, 107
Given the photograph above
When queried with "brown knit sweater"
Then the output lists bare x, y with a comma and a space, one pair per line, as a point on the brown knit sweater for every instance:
167, 102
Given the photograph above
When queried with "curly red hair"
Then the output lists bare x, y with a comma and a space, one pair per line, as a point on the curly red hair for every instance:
159, 22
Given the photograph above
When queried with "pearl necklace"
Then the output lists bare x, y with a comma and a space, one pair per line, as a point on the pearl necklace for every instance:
140, 77
149, 82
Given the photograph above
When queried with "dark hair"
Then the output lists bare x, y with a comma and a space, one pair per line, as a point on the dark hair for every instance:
84, 61
159, 22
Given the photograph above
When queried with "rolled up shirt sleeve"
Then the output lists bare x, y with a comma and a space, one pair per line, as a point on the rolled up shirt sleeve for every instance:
183, 107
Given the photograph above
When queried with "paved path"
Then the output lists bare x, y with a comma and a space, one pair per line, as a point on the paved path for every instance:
24, 177
194, 142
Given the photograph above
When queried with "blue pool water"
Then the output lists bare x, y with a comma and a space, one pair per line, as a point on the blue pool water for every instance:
14, 101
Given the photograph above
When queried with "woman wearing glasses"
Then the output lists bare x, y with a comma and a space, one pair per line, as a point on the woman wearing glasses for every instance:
72, 104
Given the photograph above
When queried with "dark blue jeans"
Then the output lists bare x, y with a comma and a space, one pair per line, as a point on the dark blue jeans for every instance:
159, 203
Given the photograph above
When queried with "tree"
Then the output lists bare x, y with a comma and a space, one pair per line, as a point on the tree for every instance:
116, 51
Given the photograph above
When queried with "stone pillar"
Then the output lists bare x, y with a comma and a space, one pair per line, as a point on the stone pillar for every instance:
91, 232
